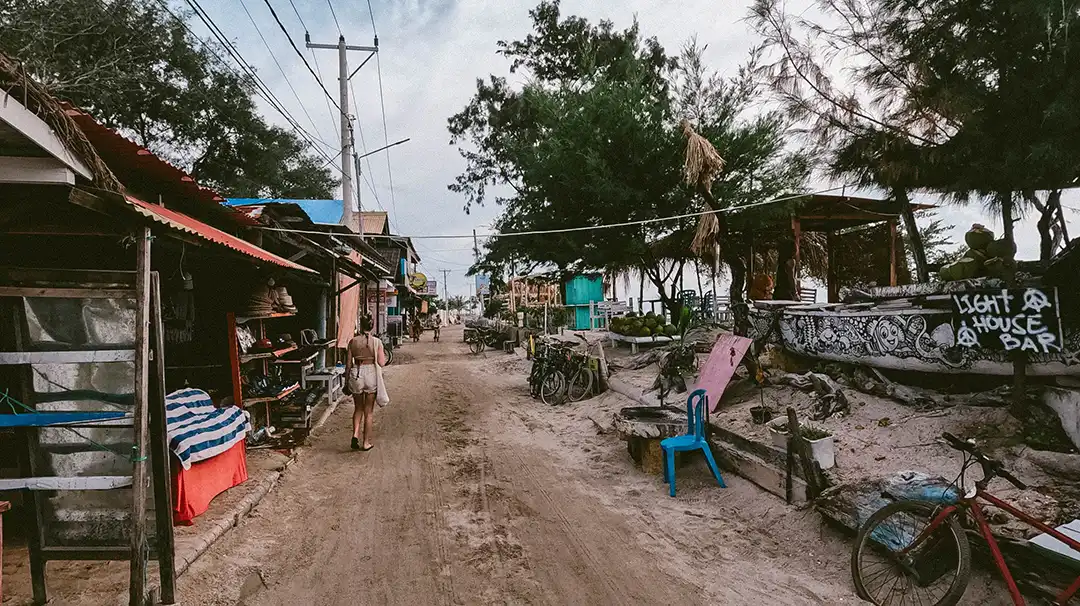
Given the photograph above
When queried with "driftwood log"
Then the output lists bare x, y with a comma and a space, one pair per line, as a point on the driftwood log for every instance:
643, 427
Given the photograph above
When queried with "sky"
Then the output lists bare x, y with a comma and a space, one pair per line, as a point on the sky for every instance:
431, 53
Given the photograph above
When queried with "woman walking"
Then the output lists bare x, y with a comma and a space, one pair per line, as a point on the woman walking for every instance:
365, 351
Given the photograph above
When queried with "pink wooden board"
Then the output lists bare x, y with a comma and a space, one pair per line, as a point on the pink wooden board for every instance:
720, 367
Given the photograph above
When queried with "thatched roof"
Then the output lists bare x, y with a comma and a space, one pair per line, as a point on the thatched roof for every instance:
14, 82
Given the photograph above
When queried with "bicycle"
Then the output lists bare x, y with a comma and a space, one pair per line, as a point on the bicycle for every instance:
546, 379
388, 347
480, 338
924, 557
584, 378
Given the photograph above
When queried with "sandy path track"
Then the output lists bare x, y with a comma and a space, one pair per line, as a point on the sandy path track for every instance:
466, 500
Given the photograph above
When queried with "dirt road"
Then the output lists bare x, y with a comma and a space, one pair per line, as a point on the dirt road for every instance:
476, 494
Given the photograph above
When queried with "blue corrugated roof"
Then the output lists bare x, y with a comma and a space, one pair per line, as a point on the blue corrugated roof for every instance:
320, 211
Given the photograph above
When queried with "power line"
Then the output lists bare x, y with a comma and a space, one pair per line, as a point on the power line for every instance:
332, 12
300, 54
268, 95
386, 136
539, 232
372, 14
293, 5
213, 52
303, 108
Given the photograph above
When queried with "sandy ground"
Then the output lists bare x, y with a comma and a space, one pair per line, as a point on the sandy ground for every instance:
476, 494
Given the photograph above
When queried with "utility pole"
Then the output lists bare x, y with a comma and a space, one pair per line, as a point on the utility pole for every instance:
351, 217
446, 294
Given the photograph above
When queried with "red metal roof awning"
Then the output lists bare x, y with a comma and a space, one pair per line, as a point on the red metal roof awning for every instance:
191, 225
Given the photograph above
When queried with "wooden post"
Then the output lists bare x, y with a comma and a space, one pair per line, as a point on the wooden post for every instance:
4, 506
796, 232
799, 445
832, 278
892, 252
162, 472
234, 359
139, 474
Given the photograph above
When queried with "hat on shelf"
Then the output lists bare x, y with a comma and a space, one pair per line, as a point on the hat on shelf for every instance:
283, 300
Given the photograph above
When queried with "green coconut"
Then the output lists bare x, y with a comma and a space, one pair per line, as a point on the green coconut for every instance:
978, 237
965, 269
644, 332
651, 314
945, 274
669, 330
1001, 248
976, 255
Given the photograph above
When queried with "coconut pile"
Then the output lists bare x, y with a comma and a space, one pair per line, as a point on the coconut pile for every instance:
985, 257
649, 325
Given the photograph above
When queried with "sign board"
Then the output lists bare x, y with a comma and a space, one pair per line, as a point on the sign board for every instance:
431, 288
418, 281
483, 284
724, 358
1010, 319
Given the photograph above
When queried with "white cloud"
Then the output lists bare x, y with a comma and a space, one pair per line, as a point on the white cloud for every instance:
432, 53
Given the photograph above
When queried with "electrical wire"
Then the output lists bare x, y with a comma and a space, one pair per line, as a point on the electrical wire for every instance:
538, 232
334, 13
386, 136
374, 30
300, 54
303, 108
301, 19
260, 87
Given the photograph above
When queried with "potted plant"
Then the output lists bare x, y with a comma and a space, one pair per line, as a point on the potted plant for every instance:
677, 363
822, 443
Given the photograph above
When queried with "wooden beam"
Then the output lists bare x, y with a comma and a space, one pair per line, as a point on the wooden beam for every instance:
796, 232
832, 277
79, 277
37, 171
56, 483
140, 469
31, 126
159, 444
66, 293
102, 553
9, 358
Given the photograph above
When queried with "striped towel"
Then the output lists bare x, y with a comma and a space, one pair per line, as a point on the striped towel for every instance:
198, 430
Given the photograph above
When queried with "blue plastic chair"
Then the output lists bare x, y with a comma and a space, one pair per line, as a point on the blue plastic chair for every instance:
693, 440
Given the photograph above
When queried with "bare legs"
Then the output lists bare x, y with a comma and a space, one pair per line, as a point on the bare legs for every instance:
363, 411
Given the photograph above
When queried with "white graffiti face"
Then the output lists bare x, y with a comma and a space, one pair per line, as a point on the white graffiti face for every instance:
888, 335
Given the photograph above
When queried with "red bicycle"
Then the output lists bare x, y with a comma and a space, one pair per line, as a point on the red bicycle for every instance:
911, 550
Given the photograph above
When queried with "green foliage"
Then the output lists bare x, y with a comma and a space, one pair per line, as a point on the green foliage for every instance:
970, 98
593, 138
135, 68
494, 308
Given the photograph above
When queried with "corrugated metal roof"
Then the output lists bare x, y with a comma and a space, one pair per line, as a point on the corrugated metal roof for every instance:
191, 225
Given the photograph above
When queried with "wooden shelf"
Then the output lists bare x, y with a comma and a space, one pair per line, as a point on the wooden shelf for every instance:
267, 354
303, 360
280, 396
286, 314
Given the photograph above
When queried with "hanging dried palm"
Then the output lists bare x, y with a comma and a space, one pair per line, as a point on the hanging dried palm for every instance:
703, 164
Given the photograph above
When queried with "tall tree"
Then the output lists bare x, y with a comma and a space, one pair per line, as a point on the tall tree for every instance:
594, 139
964, 97
137, 68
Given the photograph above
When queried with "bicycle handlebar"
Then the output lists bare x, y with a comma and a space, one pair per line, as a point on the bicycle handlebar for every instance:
991, 467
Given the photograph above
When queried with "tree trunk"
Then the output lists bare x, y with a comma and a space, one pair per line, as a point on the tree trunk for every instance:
918, 249
1007, 221
1046, 236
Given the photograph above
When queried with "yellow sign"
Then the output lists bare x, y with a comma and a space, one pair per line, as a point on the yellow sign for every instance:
418, 281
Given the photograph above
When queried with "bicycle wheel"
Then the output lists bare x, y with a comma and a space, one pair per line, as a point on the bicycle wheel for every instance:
553, 388
389, 357
936, 572
580, 384
477, 345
